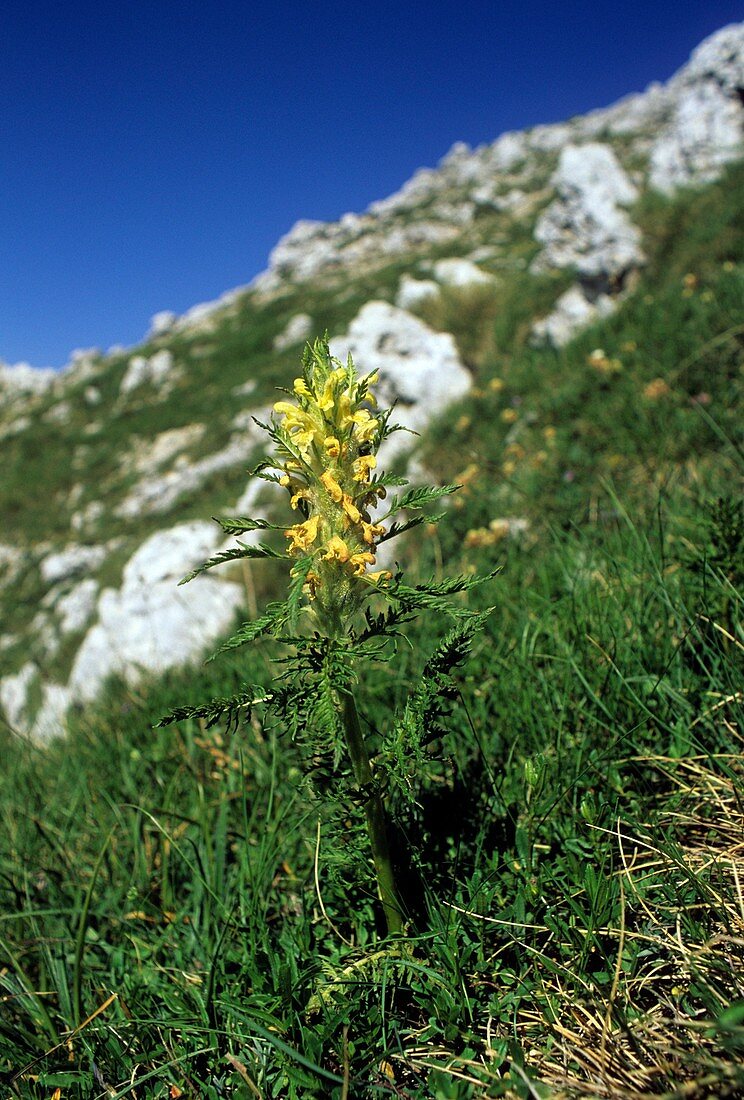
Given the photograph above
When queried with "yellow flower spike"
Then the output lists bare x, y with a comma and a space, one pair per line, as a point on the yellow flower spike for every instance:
336, 550
303, 535
350, 508
332, 487
362, 467
332, 446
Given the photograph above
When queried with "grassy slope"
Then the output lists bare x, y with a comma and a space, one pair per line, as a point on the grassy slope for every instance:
574, 845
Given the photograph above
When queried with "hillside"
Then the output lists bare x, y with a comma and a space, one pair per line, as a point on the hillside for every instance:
187, 912
525, 241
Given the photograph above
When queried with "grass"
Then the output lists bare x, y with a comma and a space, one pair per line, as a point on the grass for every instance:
174, 904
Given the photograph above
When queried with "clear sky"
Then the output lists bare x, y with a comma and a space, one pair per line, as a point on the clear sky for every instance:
152, 153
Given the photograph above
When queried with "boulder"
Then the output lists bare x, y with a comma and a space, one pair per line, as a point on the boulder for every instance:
573, 311
14, 691
149, 624
298, 329
412, 292
420, 370
458, 272
71, 562
584, 227
141, 370
706, 130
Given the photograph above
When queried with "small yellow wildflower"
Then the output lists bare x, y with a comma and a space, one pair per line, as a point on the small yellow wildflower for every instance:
656, 389
362, 467
350, 508
332, 446
336, 550
378, 577
509, 416
360, 562
303, 535
300, 388
331, 486
371, 531
496, 384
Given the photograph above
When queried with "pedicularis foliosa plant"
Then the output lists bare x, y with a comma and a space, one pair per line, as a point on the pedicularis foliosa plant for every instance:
341, 611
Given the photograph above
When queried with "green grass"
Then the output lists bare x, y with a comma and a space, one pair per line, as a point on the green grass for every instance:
181, 914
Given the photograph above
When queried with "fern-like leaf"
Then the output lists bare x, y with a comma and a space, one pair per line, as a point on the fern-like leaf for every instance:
234, 706
260, 550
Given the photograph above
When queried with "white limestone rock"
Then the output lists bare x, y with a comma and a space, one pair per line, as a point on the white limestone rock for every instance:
161, 323
297, 330
49, 720
150, 624
457, 272
71, 562
412, 292
573, 311
23, 379
419, 369
584, 227
77, 606
141, 369
14, 692
706, 130
11, 563
158, 492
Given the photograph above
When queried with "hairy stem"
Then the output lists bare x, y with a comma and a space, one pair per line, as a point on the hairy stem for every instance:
375, 811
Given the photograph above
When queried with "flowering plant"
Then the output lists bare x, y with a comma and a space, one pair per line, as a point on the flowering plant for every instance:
326, 439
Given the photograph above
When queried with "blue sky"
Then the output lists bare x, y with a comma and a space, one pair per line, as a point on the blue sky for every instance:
153, 153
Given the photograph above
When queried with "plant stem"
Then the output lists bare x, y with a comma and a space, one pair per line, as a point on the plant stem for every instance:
375, 811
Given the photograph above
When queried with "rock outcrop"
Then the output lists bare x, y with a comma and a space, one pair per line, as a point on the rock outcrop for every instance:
706, 129
420, 370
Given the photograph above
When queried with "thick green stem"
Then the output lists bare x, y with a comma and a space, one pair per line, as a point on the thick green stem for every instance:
375, 811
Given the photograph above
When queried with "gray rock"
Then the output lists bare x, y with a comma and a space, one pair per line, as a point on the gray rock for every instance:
141, 369
419, 369
23, 379
573, 311
161, 323
584, 227
77, 606
706, 130
150, 625
461, 273
412, 292
298, 329
71, 562
14, 691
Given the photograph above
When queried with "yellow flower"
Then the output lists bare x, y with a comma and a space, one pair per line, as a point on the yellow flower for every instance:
509, 416
300, 388
379, 576
360, 562
332, 446
372, 531
350, 508
336, 549
331, 486
303, 535
362, 467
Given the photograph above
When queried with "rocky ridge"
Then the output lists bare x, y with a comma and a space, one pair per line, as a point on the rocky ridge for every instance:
142, 434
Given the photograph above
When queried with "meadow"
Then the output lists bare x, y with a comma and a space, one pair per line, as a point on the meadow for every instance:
182, 914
